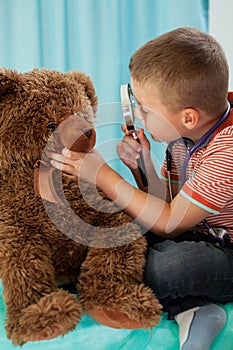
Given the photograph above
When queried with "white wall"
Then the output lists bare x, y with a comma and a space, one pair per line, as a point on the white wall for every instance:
221, 27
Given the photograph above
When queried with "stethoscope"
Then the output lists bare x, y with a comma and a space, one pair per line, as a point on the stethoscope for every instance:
218, 235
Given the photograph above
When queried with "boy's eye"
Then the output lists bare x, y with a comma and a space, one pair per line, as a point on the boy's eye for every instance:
137, 112
144, 111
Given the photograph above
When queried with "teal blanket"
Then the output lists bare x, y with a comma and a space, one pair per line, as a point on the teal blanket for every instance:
93, 336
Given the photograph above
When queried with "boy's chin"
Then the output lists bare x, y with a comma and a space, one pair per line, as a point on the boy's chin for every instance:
163, 139
156, 138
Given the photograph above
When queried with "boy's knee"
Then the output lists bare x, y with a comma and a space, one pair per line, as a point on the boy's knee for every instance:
168, 266
162, 271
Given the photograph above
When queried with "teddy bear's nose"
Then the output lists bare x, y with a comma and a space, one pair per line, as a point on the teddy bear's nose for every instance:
88, 132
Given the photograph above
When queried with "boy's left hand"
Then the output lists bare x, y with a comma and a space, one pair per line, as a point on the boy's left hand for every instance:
128, 149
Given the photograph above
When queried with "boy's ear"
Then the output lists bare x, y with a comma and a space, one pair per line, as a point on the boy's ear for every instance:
189, 118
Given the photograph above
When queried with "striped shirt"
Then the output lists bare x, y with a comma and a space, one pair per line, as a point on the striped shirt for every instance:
209, 183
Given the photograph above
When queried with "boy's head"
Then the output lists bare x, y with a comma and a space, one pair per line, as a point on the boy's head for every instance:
186, 67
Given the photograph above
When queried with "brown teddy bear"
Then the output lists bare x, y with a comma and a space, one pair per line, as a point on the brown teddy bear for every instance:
71, 232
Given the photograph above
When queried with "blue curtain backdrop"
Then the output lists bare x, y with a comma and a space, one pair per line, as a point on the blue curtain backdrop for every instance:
95, 36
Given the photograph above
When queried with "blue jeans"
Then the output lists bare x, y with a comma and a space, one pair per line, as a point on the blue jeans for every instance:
189, 273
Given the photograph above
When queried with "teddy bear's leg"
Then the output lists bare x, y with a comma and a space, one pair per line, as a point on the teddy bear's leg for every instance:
110, 288
36, 308
120, 305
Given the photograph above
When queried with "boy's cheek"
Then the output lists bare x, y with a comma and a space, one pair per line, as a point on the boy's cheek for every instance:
138, 113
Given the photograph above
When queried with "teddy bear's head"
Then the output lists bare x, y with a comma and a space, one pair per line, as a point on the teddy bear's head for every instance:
34, 104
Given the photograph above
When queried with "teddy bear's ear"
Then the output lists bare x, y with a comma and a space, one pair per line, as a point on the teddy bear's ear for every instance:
9, 81
85, 80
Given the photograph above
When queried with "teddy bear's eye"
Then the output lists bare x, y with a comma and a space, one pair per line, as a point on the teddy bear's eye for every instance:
51, 126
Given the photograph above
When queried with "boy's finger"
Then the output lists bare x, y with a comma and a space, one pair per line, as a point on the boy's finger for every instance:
131, 146
142, 138
124, 129
73, 155
58, 157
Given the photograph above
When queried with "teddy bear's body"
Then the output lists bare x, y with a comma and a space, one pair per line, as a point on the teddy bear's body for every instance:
83, 239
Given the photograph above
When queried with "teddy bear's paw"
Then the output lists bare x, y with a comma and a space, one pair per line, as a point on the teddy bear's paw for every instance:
125, 306
54, 315
114, 318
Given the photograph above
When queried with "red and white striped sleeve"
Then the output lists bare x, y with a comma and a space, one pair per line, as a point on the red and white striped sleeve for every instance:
211, 183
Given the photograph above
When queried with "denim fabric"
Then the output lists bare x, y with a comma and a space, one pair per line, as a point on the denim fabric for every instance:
186, 274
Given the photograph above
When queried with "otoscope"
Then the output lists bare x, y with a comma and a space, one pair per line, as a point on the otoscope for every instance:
128, 105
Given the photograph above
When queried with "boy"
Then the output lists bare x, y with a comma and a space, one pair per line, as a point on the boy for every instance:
180, 82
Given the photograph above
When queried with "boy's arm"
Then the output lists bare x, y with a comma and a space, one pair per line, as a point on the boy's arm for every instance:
163, 218
152, 209
156, 186
155, 214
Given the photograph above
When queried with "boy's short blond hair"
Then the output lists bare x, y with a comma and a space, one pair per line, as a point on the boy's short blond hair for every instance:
187, 67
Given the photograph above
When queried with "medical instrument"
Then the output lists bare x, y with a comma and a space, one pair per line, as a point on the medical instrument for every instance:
219, 235
128, 104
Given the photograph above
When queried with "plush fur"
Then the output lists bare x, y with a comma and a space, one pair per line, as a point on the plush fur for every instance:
85, 239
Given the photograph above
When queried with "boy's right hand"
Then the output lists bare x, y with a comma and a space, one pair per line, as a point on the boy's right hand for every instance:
128, 149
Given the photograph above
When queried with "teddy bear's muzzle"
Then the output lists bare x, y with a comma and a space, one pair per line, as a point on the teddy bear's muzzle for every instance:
75, 134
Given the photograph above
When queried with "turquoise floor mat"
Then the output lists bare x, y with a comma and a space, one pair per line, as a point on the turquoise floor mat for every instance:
93, 336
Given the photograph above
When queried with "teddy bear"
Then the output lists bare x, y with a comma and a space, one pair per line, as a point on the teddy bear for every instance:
55, 229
